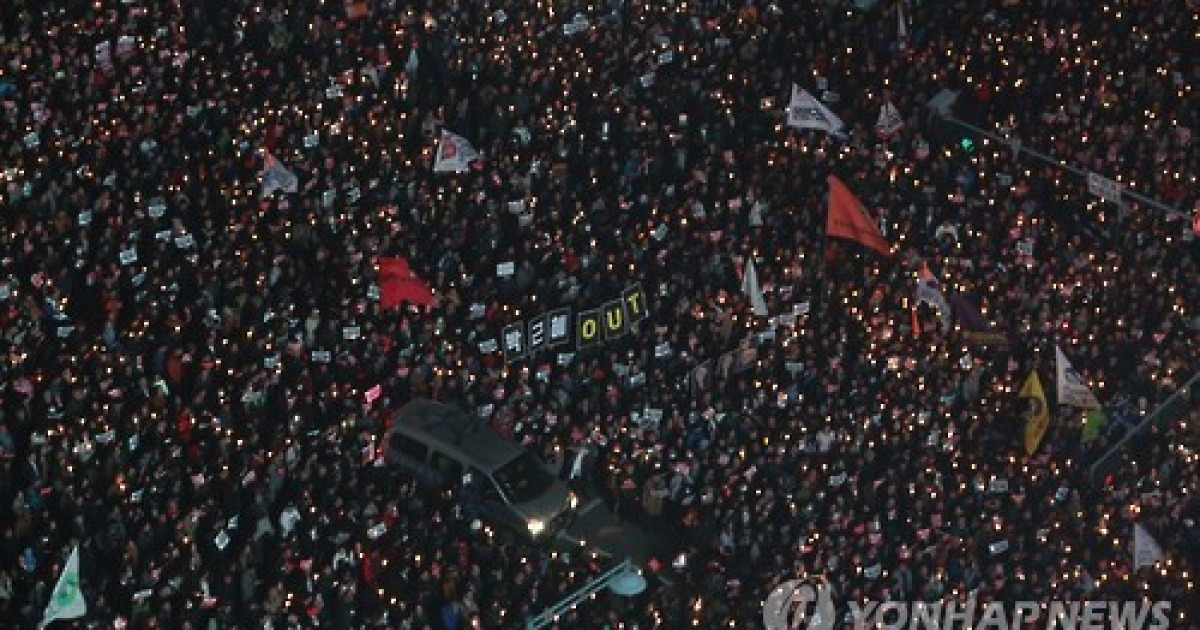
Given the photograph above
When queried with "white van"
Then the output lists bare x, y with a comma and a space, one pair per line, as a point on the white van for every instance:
445, 447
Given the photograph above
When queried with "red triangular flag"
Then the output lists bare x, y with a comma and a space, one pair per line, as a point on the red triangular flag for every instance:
848, 219
398, 283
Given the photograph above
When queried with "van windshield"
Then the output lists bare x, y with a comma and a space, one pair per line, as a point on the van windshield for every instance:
523, 479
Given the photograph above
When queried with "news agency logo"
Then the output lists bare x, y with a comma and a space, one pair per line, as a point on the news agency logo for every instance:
808, 605
798, 604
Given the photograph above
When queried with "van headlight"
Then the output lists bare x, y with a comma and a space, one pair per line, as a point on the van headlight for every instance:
536, 526
572, 500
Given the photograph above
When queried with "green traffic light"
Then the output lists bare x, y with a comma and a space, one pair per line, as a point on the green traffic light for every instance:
967, 144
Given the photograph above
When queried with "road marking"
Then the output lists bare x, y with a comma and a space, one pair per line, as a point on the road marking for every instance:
593, 504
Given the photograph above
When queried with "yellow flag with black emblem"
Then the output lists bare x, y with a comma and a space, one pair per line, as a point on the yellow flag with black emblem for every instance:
1037, 413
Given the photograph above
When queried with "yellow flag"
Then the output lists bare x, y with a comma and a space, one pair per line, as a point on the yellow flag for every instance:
1037, 414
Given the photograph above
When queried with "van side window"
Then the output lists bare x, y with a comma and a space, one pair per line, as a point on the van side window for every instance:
410, 447
448, 466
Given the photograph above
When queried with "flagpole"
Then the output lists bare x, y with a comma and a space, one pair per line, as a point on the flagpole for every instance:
942, 110
821, 270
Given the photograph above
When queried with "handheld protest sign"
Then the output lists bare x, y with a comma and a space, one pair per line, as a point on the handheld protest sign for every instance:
615, 322
588, 328
635, 303
558, 327
514, 341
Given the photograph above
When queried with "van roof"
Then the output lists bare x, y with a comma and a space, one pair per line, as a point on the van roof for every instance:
457, 434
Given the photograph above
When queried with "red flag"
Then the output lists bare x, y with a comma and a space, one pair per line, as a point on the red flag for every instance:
848, 219
398, 283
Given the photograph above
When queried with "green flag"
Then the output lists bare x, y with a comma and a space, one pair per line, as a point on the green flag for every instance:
1095, 421
66, 602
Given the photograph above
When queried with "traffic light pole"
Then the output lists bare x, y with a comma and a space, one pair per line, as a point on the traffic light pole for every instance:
940, 106
550, 615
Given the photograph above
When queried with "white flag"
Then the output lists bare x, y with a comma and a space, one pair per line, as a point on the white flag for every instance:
413, 63
66, 602
1071, 388
889, 121
276, 176
804, 111
929, 293
1145, 549
753, 290
454, 154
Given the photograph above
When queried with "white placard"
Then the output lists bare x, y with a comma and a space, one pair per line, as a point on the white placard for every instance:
321, 356
85, 218
184, 242
662, 350
488, 346
351, 332
157, 207
129, 256
506, 269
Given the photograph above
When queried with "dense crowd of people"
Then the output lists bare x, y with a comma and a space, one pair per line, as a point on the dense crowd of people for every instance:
164, 413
